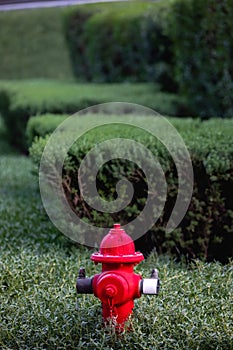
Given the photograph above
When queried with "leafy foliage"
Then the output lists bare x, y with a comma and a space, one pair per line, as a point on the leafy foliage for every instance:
120, 42
23, 99
206, 230
201, 31
159, 42
32, 45
129, 41
43, 125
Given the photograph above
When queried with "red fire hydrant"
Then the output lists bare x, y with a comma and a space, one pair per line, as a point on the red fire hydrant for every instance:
117, 285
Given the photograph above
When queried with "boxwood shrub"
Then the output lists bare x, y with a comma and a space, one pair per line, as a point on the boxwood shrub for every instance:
206, 229
185, 45
201, 32
121, 42
21, 100
42, 125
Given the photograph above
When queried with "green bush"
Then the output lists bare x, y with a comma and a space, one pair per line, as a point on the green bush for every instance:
121, 42
32, 45
42, 125
206, 230
20, 100
202, 31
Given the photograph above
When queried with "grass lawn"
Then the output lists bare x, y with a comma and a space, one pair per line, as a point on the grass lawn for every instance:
38, 270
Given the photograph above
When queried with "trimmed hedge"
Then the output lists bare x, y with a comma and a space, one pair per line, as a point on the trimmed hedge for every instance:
42, 125
206, 230
21, 100
121, 42
202, 32
33, 45
185, 45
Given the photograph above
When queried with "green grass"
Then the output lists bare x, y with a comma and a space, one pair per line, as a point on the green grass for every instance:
32, 45
39, 267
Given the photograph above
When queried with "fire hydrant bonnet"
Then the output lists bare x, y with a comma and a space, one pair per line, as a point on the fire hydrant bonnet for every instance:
117, 247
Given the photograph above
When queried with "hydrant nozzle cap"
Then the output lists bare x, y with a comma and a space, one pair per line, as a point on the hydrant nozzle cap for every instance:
117, 226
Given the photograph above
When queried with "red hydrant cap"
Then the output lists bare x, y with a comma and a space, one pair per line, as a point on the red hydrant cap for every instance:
117, 247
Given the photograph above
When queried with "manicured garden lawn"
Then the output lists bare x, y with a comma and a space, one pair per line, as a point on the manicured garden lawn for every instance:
39, 266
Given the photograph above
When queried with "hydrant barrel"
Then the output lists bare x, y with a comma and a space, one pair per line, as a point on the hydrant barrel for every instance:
117, 286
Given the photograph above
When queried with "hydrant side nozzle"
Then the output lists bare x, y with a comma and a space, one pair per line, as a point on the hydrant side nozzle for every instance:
84, 285
150, 285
